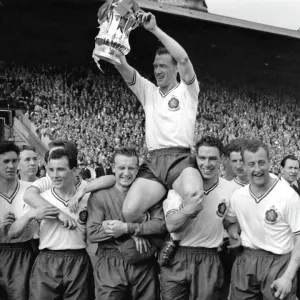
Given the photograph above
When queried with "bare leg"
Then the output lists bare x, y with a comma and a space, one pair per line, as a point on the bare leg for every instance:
189, 183
143, 194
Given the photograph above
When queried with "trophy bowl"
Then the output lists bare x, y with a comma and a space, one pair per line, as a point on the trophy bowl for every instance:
117, 18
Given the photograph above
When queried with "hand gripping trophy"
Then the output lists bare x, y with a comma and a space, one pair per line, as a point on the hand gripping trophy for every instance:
117, 18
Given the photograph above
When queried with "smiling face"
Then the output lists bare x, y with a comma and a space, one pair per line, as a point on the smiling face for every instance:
8, 165
257, 167
125, 169
165, 71
208, 161
60, 173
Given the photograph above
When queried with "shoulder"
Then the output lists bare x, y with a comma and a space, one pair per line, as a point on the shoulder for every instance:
24, 184
226, 186
103, 194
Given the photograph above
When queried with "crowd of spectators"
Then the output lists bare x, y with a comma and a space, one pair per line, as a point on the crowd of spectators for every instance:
98, 112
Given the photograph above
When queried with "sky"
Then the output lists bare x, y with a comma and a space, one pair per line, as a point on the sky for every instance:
280, 13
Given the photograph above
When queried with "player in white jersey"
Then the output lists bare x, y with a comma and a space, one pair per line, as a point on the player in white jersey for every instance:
234, 157
16, 257
195, 271
170, 109
28, 164
62, 268
268, 213
32, 195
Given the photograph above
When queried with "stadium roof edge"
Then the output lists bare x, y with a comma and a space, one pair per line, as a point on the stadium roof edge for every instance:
171, 9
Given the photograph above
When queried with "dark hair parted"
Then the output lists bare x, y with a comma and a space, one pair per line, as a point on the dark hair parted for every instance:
27, 147
126, 151
234, 146
210, 141
162, 50
70, 146
253, 146
71, 156
291, 157
8, 146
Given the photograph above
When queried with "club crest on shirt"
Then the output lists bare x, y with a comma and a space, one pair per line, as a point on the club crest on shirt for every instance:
173, 104
222, 207
271, 215
83, 215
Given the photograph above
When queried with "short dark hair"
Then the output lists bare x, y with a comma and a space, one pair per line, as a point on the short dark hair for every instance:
8, 146
27, 147
291, 157
126, 151
253, 146
163, 50
56, 143
59, 153
65, 144
234, 146
210, 141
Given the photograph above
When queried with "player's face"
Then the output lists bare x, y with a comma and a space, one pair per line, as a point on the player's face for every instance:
60, 173
208, 161
165, 71
290, 170
28, 163
8, 165
257, 166
125, 169
237, 164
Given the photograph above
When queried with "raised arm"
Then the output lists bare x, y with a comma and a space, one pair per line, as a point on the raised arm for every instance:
185, 67
125, 69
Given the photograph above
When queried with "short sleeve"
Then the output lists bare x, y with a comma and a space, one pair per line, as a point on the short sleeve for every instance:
172, 203
141, 87
43, 184
193, 89
293, 212
231, 216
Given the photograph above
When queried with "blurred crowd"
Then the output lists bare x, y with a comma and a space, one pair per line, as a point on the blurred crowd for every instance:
98, 112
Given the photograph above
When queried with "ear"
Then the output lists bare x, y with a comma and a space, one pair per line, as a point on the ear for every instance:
113, 168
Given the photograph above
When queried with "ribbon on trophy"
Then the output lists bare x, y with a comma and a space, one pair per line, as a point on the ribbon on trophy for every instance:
116, 18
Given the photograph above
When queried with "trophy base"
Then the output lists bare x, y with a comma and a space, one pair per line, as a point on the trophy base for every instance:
108, 54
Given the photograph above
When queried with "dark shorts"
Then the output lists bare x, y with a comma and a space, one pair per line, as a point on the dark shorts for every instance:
62, 274
253, 273
115, 279
193, 273
15, 265
165, 165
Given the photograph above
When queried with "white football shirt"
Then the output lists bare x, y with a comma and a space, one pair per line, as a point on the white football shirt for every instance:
237, 184
170, 117
267, 222
206, 229
53, 235
16, 205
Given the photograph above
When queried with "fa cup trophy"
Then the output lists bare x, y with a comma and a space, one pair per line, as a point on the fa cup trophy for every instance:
117, 18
